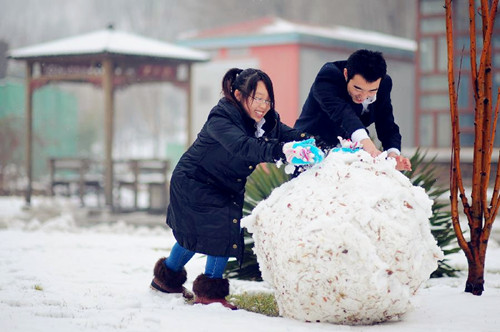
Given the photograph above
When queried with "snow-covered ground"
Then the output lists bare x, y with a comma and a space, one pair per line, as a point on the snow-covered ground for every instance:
59, 275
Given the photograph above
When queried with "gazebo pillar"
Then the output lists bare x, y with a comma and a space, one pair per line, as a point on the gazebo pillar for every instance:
91, 58
189, 116
108, 87
29, 131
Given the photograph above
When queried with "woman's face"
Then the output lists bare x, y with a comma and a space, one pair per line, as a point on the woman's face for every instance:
258, 106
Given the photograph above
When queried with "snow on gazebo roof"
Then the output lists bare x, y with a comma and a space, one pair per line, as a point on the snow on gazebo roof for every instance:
109, 41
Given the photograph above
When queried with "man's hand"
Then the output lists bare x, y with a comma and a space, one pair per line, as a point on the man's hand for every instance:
402, 163
369, 147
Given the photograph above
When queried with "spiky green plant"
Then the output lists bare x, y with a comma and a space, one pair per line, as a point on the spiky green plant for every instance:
267, 177
424, 175
259, 186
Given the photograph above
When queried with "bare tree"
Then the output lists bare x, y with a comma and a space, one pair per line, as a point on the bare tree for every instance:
480, 214
10, 131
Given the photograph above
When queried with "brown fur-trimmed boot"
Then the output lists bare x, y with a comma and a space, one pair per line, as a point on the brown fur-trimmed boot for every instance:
208, 290
168, 281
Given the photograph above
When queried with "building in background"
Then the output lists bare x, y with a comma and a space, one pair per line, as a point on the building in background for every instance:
432, 116
292, 55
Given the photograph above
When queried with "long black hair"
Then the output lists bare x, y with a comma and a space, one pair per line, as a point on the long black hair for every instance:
246, 82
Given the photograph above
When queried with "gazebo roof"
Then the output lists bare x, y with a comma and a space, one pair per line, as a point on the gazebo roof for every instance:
109, 41
109, 59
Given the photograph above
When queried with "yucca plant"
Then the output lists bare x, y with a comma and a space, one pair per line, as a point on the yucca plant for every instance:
259, 186
267, 177
424, 175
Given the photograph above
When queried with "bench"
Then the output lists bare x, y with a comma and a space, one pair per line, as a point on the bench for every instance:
75, 172
139, 174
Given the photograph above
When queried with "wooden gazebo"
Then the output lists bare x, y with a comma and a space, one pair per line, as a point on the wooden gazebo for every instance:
108, 59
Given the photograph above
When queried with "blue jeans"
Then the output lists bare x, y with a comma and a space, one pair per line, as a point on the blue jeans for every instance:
179, 256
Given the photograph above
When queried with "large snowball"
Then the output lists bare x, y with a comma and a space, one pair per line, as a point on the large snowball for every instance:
347, 242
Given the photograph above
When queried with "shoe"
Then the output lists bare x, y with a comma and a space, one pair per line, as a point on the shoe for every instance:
168, 281
212, 290
205, 300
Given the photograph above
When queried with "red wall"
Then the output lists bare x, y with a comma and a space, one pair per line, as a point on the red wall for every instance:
281, 63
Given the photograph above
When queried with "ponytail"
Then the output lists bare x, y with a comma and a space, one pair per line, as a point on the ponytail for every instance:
228, 81
246, 82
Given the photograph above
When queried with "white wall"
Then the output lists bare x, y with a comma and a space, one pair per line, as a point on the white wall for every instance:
403, 99
311, 61
207, 88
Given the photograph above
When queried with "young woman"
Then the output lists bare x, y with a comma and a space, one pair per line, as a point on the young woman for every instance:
208, 184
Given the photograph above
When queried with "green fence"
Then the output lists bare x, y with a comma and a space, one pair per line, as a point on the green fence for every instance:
55, 122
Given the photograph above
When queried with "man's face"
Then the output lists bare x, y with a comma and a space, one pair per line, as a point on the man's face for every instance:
359, 89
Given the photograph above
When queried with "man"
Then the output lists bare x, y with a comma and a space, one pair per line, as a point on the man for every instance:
348, 96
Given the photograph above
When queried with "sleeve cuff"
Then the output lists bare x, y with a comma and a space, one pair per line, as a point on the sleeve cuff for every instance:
359, 135
396, 151
278, 151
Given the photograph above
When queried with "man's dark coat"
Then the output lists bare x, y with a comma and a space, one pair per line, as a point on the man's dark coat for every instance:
330, 112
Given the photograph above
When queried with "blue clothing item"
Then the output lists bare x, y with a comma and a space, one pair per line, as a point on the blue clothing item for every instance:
346, 150
215, 266
307, 145
179, 257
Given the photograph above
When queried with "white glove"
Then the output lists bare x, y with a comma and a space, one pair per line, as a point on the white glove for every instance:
302, 153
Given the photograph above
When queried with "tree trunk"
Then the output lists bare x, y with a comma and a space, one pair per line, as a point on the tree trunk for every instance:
475, 278
479, 213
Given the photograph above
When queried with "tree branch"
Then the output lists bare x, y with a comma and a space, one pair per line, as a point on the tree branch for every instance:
487, 81
472, 37
455, 173
496, 188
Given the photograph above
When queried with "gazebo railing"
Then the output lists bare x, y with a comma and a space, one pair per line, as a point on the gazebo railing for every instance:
142, 177
73, 172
